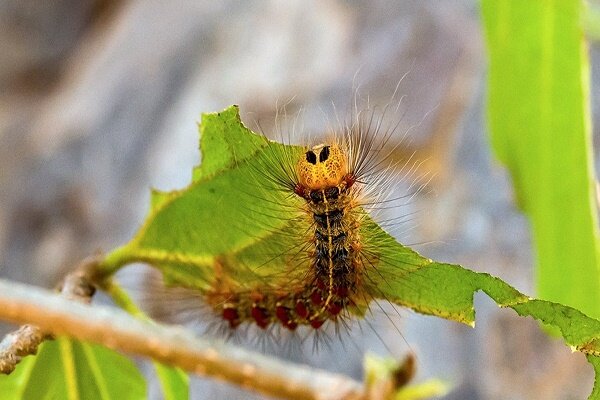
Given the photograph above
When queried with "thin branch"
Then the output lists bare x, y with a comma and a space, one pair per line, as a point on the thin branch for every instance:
77, 285
18, 344
171, 345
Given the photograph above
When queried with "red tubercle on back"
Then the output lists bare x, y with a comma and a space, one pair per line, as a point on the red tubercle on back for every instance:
317, 323
302, 191
349, 179
231, 315
316, 298
301, 309
260, 315
334, 308
283, 314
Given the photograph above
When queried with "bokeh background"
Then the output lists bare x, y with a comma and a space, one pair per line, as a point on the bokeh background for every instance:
99, 100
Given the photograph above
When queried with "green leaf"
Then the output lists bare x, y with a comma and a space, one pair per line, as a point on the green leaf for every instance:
67, 369
228, 225
539, 117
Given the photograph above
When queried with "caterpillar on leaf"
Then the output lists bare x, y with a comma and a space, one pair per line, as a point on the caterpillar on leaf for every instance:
280, 236
329, 178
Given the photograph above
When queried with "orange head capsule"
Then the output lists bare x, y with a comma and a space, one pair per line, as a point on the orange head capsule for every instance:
322, 166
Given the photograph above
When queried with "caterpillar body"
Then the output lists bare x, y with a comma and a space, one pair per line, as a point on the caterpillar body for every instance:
329, 179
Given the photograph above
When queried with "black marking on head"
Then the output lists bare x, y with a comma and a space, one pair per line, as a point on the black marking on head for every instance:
311, 157
324, 155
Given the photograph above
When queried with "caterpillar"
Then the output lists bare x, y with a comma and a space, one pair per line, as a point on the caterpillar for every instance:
330, 183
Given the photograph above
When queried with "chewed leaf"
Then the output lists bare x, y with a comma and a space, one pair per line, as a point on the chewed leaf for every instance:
68, 369
228, 226
225, 141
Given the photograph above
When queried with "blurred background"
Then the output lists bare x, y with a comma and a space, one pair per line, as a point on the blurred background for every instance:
99, 101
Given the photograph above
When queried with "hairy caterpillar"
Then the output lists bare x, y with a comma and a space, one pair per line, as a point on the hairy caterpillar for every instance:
288, 228
328, 186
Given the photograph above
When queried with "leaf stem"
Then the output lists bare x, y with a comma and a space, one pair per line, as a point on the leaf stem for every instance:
122, 299
113, 262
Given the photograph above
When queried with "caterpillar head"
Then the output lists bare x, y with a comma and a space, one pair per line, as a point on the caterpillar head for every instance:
322, 166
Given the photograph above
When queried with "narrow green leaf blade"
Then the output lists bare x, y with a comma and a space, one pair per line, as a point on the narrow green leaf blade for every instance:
539, 117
